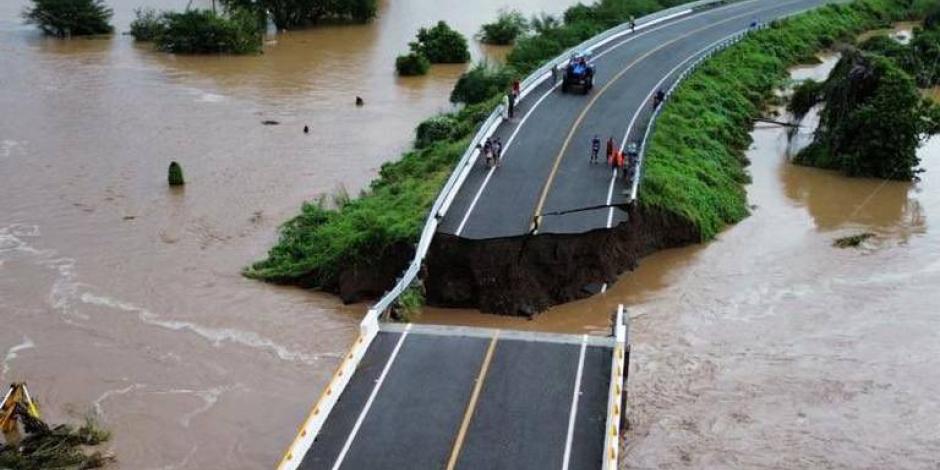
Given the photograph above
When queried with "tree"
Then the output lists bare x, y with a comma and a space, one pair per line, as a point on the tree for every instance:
873, 120
508, 26
294, 13
64, 18
441, 45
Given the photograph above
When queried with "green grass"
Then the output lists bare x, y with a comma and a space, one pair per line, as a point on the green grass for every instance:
695, 166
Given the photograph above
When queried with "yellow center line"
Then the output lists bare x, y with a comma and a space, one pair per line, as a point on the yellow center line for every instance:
472, 404
536, 218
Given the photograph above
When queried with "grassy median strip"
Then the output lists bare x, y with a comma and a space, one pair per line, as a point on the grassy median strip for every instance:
695, 166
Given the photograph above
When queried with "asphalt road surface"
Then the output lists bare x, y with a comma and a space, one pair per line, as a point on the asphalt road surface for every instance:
434, 401
545, 168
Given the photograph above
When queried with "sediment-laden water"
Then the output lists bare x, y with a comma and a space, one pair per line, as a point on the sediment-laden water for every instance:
123, 298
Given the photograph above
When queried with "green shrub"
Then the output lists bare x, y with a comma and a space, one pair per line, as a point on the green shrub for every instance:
204, 31
70, 17
412, 64
441, 45
147, 25
436, 129
481, 83
508, 26
294, 13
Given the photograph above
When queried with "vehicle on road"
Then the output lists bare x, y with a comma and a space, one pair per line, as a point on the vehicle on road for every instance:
578, 74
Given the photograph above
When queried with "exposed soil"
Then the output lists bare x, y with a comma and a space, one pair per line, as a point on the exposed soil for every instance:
526, 275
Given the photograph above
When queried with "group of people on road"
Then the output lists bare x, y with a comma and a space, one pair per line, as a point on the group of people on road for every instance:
492, 151
622, 161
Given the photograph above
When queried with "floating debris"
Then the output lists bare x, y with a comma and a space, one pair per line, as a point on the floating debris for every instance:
852, 241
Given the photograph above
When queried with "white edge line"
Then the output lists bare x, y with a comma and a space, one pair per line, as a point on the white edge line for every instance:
573, 415
365, 409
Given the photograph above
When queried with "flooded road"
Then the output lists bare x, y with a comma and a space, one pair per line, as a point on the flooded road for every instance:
770, 348
122, 298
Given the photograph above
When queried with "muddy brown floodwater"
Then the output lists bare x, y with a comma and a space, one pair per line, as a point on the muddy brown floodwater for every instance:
770, 348
123, 298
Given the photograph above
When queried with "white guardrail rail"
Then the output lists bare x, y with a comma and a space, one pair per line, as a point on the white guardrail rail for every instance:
369, 327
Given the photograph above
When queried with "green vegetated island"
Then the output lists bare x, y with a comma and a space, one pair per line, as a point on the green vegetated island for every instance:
695, 165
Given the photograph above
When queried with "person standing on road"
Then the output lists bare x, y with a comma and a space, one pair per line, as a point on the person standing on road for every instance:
516, 88
595, 148
511, 97
610, 148
617, 163
632, 24
554, 74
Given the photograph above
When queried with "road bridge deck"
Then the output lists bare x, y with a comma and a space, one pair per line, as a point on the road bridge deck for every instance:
545, 175
466, 398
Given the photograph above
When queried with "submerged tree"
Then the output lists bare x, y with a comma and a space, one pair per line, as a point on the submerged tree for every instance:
872, 122
294, 13
64, 18
441, 45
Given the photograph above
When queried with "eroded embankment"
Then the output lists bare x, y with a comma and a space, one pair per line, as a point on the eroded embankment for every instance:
525, 275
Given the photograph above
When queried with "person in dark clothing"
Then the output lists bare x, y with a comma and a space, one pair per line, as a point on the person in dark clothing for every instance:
512, 104
595, 148
659, 98
306, 129
610, 147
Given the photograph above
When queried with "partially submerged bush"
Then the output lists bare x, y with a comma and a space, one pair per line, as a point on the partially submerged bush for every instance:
509, 25
293, 13
481, 83
204, 31
147, 25
70, 17
412, 64
441, 45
